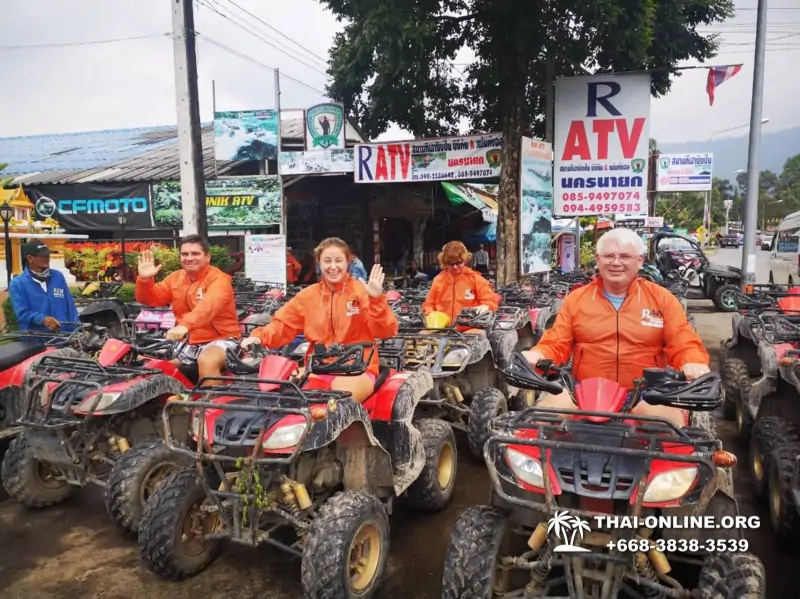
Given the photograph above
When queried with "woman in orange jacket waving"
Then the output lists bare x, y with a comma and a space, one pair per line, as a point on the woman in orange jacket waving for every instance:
458, 286
338, 309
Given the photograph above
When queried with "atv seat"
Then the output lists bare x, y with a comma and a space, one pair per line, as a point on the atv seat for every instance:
383, 375
15, 352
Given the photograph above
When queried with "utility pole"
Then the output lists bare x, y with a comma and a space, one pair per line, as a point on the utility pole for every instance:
190, 143
753, 154
280, 140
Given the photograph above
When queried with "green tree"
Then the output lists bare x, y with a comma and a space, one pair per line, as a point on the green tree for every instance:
789, 185
393, 63
4, 181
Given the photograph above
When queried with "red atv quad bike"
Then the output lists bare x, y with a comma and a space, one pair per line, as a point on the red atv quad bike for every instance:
304, 469
555, 472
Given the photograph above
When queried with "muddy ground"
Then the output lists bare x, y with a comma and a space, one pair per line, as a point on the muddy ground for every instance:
74, 551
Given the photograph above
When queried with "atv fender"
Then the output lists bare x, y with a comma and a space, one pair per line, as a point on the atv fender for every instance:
138, 392
21, 375
544, 314
768, 383
503, 344
478, 348
104, 308
719, 506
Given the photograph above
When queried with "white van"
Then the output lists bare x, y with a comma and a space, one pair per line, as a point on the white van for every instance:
784, 254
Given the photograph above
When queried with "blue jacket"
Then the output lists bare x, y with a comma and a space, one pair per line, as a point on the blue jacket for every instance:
357, 270
31, 304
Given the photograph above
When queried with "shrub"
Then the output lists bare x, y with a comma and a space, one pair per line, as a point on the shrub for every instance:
8, 314
127, 293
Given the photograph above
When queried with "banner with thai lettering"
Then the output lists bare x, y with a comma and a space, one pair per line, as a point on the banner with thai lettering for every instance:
233, 203
93, 206
536, 206
442, 159
602, 137
684, 172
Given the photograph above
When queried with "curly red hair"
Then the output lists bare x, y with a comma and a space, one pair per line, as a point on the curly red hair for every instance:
453, 251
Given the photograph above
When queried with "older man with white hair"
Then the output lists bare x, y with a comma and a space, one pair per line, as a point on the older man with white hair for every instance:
620, 324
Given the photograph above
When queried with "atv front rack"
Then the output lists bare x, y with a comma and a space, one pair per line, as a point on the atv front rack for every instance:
548, 424
412, 350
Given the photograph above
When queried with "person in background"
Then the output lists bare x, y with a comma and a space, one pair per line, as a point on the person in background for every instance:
357, 269
41, 297
482, 260
415, 275
293, 267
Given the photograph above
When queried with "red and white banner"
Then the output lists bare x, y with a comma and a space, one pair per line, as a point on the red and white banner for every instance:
601, 150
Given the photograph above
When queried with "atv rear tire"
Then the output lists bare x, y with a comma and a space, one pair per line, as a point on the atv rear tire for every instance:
434, 487
486, 404
161, 528
732, 369
732, 576
348, 523
740, 377
25, 477
471, 558
134, 478
769, 433
724, 298
784, 514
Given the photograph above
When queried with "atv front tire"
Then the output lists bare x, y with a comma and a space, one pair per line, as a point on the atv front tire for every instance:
724, 298
134, 478
739, 375
732, 576
471, 558
165, 522
347, 548
486, 405
769, 433
784, 513
434, 487
28, 480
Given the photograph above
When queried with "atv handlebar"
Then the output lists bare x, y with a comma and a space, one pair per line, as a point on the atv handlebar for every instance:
340, 359
470, 317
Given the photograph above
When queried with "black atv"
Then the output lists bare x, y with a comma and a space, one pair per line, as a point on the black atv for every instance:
708, 281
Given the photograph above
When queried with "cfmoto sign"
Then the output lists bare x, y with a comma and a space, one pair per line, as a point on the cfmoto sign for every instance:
110, 206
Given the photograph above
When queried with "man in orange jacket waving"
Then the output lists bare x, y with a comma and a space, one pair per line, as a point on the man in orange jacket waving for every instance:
202, 300
618, 325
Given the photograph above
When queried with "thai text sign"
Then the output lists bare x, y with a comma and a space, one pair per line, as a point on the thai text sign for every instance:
444, 159
684, 172
602, 134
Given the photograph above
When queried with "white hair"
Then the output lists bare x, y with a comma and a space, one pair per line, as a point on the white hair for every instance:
623, 237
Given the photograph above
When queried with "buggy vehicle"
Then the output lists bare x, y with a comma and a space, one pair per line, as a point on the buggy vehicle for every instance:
706, 281
306, 470
600, 460
468, 389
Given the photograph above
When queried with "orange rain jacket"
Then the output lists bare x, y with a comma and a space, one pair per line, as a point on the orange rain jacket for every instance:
450, 294
293, 269
649, 331
345, 315
204, 305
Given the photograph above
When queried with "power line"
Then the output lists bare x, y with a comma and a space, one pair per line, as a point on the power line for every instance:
86, 43
279, 32
263, 39
256, 62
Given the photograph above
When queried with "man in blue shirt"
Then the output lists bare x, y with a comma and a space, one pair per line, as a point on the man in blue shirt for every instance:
40, 296
357, 269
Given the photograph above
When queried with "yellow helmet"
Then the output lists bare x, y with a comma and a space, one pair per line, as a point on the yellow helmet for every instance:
90, 289
437, 320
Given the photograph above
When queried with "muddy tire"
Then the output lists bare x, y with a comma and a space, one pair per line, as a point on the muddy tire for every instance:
348, 523
161, 528
783, 512
732, 576
27, 480
133, 479
732, 369
724, 298
471, 558
486, 404
769, 433
434, 487
744, 420
525, 398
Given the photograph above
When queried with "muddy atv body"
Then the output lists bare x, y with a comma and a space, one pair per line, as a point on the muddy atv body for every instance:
310, 472
555, 472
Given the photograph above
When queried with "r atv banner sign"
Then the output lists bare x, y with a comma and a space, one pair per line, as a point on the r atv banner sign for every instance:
443, 159
684, 172
234, 203
85, 206
602, 138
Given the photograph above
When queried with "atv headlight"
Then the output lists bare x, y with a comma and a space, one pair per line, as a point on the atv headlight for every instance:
106, 399
455, 357
285, 436
670, 485
526, 468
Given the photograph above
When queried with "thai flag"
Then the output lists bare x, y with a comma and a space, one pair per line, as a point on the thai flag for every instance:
717, 76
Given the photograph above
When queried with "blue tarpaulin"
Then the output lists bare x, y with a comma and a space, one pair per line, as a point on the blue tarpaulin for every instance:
485, 234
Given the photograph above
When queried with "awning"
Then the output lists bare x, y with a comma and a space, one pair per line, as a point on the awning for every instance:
479, 197
485, 234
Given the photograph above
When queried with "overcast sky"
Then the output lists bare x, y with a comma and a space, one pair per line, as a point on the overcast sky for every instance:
131, 83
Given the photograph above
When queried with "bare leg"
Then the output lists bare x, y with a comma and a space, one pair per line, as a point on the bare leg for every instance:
361, 387
561, 401
211, 362
675, 416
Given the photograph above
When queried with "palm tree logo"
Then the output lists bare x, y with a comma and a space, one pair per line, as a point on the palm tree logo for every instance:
562, 524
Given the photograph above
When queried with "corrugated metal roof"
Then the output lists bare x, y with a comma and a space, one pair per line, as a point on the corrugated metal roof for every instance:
144, 154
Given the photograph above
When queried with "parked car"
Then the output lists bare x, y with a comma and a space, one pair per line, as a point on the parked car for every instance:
729, 241
766, 242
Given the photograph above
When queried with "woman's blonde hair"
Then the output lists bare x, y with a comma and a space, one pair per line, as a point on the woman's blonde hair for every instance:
333, 242
453, 251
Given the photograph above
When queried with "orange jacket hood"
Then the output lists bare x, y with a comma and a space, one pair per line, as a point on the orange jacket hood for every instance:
449, 294
344, 315
204, 303
650, 330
